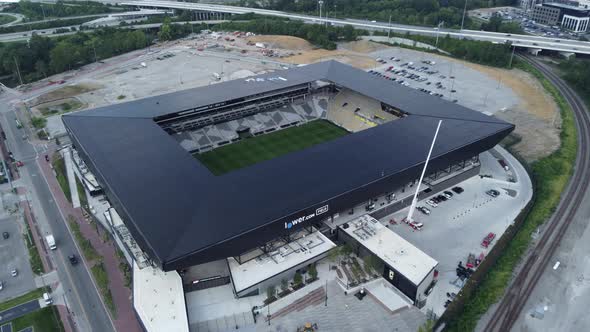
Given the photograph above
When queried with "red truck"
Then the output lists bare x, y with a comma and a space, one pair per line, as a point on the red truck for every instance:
488, 240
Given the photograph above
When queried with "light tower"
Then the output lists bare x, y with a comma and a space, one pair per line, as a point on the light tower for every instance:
413, 205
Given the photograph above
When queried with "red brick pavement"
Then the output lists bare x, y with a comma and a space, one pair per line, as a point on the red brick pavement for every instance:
125, 319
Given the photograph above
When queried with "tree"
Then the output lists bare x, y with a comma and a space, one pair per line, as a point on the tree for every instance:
165, 30
348, 33
297, 279
270, 292
313, 272
428, 326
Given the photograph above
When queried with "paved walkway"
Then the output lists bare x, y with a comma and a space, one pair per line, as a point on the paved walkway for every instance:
125, 319
19, 310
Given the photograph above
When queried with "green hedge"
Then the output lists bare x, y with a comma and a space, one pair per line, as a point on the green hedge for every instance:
34, 257
87, 248
551, 175
59, 166
102, 279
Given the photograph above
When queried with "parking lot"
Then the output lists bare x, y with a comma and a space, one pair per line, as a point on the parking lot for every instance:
14, 255
457, 227
444, 78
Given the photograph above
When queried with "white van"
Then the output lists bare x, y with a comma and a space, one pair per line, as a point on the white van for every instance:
47, 299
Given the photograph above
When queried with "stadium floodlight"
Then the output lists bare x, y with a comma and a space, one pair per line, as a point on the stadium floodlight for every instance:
413, 205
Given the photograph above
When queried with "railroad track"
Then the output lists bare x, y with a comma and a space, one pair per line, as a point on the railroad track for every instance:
520, 290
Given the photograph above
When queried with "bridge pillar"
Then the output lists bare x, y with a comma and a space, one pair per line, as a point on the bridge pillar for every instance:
567, 55
534, 51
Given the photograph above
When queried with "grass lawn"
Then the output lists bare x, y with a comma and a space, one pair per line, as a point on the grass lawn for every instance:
6, 19
253, 150
42, 320
35, 294
59, 165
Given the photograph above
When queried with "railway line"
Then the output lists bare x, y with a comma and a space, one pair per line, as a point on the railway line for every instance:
535, 264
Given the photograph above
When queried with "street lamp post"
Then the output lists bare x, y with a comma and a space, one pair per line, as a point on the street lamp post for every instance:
438, 32
320, 3
464, 12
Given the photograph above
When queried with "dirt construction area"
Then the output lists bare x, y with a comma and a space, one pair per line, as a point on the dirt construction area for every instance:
204, 59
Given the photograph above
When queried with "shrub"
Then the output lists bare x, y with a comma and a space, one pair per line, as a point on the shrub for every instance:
297, 279
38, 122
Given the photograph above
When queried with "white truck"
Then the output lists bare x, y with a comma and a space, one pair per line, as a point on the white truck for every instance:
260, 45
51, 242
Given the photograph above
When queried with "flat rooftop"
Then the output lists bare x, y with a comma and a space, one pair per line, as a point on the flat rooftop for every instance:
396, 252
283, 258
158, 298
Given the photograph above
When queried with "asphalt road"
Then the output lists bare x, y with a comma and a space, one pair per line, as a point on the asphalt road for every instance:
82, 297
20, 310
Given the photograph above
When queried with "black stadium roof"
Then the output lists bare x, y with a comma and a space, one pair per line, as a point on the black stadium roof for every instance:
182, 214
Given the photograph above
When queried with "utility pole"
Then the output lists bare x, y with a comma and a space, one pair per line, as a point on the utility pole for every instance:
321, 2
326, 303
438, 31
389, 30
413, 205
511, 56
464, 12
18, 71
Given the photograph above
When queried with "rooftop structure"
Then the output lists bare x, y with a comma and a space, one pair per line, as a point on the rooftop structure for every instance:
282, 257
394, 250
159, 300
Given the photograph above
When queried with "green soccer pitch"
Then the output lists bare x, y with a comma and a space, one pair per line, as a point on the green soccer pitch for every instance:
253, 150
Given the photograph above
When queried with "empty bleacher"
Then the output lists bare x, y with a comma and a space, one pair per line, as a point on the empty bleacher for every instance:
211, 136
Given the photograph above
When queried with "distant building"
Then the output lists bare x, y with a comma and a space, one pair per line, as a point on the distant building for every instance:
572, 17
545, 15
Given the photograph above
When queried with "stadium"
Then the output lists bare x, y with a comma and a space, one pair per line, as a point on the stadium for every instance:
246, 181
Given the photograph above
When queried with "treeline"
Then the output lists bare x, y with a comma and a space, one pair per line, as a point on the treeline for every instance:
45, 25
317, 34
485, 53
496, 24
415, 12
38, 11
577, 73
43, 56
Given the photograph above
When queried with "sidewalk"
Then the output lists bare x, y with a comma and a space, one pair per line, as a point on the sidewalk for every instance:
125, 319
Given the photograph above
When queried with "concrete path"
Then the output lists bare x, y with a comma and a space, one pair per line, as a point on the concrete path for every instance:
46, 279
71, 178
18, 311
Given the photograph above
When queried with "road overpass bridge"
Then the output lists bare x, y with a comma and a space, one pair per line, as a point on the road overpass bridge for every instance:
523, 41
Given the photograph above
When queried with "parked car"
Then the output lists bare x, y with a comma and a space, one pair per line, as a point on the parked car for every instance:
14, 272
431, 203
448, 194
5, 235
493, 193
441, 198
1, 286
457, 190
423, 209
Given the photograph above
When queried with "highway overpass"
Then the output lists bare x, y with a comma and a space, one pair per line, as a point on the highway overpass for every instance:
535, 43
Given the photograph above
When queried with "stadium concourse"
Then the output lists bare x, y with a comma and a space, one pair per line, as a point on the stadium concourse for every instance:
242, 184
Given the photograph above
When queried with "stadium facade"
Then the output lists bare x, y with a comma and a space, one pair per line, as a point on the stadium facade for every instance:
181, 215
